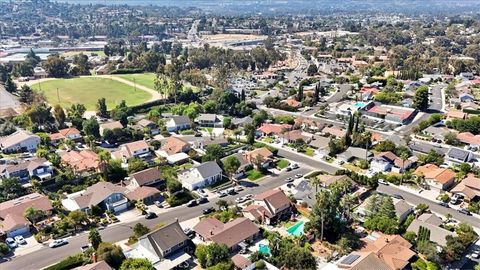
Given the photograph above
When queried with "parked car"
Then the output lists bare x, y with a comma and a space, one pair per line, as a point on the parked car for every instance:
20, 240
201, 191
289, 179
248, 196
150, 215
192, 203
444, 204
298, 175
295, 166
383, 182
231, 191
397, 196
208, 210
465, 212
288, 169
222, 194
238, 189
11, 243
476, 254
83, 249
58, 243
202, 200
240, 200
455, 200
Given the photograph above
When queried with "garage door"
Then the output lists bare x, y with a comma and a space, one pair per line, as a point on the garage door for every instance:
19, 231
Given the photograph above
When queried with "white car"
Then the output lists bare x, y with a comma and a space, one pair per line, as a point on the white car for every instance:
11, 243
58, 243
383, 182
240, 199
476, 254
20, 240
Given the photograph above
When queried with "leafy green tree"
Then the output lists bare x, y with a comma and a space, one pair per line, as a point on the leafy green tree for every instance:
385, 146
7, 128
95, 238
78, 217
420, 100
300, 258
91, 127
213, 152
222, 266
10, 188
25, 94
250, 133
212, 254
231, 164
139, 230
136, 165
431, 157
102, 107
4, 249
111, 254
136, 264
10, 86
59, 114
56, 66
34, 215
222, 204
453, 249
300, 93
115, 171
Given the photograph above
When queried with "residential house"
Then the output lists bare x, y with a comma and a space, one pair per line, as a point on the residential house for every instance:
304, 192
12, 213
388, 161
174, 145
437, 133
203, 142
393, 250
268, 129
469, 188
432, 223
242, 263
137, 149
355, 153
110, 126
38, 168
104, 194
19, 141
425, 148
81, 161
328, 180
147, 177
469, 139
320, 144
232, 233
177, 123
335, 132
269, 207
260, 156
292, 103
149, 125
402, 209
67, 133
201, 176
362, 260
456, 115
307, 124
296, 137
466, 97
458, 156
435, 177
165, 247
241, 122
244, 165
208, 120
147, 195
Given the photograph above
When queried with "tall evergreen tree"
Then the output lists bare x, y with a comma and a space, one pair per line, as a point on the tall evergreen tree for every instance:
300, 93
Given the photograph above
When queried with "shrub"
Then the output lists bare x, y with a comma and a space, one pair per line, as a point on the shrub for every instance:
68, 263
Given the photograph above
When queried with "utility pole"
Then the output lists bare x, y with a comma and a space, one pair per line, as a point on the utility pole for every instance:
135, 84
58, 96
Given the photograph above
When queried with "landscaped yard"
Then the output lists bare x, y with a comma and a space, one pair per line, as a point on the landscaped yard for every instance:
309, 152
87, 91
283, 163
352, 167
254, 174
268, 140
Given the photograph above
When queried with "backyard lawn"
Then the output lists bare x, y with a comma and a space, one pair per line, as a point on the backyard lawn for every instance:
87, 91
283, 163
254, 174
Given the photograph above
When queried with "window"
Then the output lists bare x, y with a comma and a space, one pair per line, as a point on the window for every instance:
180, 244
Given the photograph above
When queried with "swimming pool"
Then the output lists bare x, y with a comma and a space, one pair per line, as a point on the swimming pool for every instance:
359, 104
265, 249
297, 228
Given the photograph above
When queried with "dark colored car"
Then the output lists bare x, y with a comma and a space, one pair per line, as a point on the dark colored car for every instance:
397, 196
150, 215
444, 204
208, 210
192, 203
465, 212
202, 200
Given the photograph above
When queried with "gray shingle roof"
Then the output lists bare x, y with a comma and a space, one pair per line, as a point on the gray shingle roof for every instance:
181, 120
458, 154
209, 169
167, 237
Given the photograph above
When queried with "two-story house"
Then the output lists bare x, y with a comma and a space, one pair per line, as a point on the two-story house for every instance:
458, 156
38, 168
177, 123
67, 133
436, 178
165, 247
201, 176
104, 194
138, 149
209, 120
269, 207
147, 177
149, 125
19, 141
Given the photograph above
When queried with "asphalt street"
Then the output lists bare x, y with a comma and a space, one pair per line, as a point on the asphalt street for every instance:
118, 232
434, 207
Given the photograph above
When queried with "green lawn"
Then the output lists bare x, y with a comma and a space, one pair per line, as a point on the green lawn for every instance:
148, 80
254, 174
87, 90
282, 163
309, 152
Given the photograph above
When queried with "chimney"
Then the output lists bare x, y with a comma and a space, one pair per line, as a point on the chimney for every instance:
94, 257
211, 232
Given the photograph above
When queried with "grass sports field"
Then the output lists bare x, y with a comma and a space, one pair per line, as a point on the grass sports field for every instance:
148, 80
87, 91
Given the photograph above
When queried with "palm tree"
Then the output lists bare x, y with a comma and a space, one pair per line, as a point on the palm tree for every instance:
316, 182
403, 156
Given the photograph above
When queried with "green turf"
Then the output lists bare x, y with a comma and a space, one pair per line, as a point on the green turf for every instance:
282, 164
254, 174
88, 90
148, 80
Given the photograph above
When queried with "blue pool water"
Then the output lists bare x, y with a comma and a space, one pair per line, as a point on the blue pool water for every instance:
297, 228
359, 104
265, 249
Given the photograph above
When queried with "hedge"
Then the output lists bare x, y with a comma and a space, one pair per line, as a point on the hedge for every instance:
127, 71
68, 263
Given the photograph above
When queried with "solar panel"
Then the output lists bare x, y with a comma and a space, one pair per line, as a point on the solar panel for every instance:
350, 259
